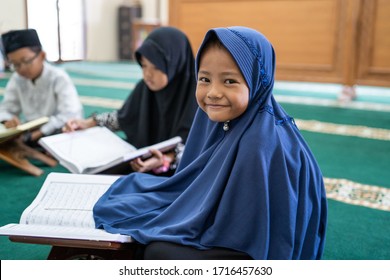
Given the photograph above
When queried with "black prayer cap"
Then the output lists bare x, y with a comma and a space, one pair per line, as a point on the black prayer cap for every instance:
17, 39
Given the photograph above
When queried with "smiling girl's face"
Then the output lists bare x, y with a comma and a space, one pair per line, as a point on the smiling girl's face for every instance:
221, 90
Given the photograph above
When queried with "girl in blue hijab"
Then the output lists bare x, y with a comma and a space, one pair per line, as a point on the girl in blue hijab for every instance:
247, 186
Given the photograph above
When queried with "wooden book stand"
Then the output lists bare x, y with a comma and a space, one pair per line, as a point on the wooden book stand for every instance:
17, 153
74, 249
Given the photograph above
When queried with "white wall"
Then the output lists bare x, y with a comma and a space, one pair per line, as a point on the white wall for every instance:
150, 9
102, 29
101, 23
12, 15
101, 18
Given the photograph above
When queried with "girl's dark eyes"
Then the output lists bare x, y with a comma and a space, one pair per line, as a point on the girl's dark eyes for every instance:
230, 81
227, 81
203, 79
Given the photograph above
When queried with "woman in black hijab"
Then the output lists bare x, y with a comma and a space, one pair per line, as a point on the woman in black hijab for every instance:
162, 105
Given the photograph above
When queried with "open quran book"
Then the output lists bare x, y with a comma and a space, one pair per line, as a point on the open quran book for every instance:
63, 209
96, 149
10, 133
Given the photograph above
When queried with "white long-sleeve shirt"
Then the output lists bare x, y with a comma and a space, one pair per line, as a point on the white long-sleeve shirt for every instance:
53, 95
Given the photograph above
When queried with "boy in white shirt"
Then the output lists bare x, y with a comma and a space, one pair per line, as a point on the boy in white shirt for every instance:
37, 88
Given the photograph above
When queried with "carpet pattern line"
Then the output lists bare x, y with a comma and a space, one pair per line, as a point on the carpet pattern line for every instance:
350, 192
343, 129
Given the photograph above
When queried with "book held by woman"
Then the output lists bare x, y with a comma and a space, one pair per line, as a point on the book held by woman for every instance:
96, 149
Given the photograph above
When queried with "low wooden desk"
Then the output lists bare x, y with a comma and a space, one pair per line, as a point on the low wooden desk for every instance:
73, 249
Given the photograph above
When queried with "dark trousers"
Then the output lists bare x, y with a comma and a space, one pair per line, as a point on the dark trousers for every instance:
171, 251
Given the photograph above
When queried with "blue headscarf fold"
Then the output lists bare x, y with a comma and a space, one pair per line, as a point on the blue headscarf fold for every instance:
255, 188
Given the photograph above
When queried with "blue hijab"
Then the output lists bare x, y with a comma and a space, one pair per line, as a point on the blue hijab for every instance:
255, 188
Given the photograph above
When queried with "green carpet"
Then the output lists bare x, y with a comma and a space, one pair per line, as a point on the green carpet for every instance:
357, 229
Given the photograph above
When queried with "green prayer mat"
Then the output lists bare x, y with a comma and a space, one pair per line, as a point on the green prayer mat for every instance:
356, 168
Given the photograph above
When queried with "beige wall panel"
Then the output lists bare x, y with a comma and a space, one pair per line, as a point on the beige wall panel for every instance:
381, 41
374, 54
305, 33
338, 41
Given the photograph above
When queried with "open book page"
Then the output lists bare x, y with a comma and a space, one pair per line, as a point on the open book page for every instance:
89, 148
89, 234
66, 201
32, 124
9, 133
63, 209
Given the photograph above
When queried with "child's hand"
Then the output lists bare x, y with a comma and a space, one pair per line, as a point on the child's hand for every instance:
30, 137
14, 122
36, 134
78, 124
151, 163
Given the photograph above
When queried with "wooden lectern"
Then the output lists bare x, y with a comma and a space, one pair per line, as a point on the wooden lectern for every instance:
17, 154
73, 249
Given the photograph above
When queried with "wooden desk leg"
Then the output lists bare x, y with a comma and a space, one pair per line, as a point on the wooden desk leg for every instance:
70, 253
31, 153
16, 153
20, 162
